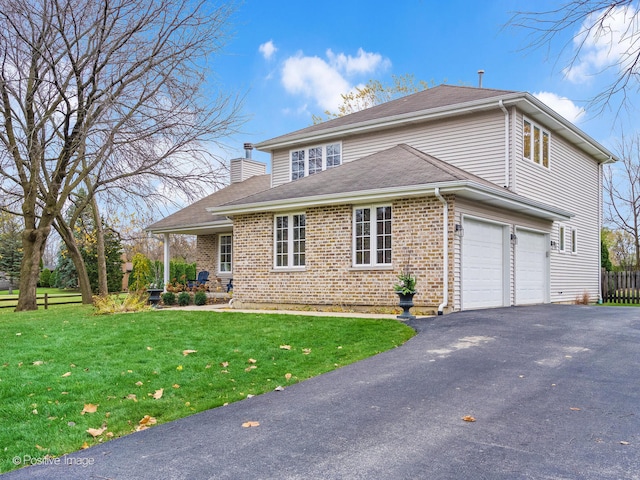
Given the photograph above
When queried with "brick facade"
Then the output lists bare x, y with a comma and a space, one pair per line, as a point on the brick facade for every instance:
329, 279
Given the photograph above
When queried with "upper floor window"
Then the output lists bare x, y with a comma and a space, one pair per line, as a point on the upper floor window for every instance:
372, 235
536, 143
312, 160
225, 245
290, 240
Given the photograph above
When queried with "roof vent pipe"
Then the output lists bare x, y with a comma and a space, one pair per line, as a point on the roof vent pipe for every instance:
480, 74
247, 150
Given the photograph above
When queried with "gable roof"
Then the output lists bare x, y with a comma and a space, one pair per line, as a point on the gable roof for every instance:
195, 219
398, 172
434, 103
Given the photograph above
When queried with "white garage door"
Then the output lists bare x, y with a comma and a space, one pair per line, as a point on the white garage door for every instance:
531, 267
483, 265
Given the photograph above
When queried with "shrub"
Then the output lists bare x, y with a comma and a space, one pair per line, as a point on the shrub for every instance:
200, 298
45, 278
133, 302
168, 298
184, 299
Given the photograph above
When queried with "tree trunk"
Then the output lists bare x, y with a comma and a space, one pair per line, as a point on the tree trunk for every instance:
33, 241
103, 286
76, 257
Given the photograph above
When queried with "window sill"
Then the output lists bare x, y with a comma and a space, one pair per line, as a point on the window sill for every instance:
288, 269
366, 268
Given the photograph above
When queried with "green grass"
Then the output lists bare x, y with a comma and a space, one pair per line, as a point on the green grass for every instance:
110, 358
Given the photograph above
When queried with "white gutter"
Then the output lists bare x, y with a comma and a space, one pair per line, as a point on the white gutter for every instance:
506, 144
445, 252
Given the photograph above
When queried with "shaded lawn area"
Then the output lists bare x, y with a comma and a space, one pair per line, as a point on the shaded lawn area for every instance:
55, 363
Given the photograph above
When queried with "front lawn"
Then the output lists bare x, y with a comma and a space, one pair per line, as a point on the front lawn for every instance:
64, 371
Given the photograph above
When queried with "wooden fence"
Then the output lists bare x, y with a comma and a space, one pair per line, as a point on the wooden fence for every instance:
45, 300
621, 287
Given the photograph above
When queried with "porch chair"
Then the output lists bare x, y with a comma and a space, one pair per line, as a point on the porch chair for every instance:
203, 277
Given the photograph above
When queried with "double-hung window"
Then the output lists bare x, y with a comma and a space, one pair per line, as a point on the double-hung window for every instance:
290, 234
372, 236
308, 161
536, 143
225, 245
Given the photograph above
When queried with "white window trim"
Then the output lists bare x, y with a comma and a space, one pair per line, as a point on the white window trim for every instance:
306, 157
373, 252
220, 271
290, 266
542, 132
562, 238
574, 241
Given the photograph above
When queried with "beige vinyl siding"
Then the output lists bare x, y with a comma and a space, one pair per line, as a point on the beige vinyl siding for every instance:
468, 208
473, 143
571, 182
280, 169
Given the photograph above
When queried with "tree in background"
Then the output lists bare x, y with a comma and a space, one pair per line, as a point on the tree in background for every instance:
604, 38
374, 93
109, 92
10, 249
622, 199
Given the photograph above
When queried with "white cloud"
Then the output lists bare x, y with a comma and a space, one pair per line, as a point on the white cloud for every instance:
610, 44
562, 105
267, 49
324, 81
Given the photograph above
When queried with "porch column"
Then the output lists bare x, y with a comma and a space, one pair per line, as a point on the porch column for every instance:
167, 259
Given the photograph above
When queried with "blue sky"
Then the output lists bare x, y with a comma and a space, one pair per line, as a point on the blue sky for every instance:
292, 59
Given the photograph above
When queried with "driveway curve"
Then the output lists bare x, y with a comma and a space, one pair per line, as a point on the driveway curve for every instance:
553, 389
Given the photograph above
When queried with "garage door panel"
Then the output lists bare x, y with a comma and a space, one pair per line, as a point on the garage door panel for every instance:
531, 268
482, 265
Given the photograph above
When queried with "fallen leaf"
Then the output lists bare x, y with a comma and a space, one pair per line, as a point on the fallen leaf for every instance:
251, 424
139, 384
18, 334
208, 366
285, 347
468, 418
38, 362
34, 411
279, 388
89, 408
252, 360
249, 368
175, 385
72, 365
158, 394
187, 352
132, 396
575, 409
224, 364
146, 421
149, 348
287, 376
306, 351
39, 447
84, 446
68, 374
96, 432
109, 434
179, 368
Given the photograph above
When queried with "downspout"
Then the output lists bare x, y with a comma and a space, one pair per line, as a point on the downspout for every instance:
167, 259
445, 252
507, 156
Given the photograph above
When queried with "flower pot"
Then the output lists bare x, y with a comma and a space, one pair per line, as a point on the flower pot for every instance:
154, 296
406, 302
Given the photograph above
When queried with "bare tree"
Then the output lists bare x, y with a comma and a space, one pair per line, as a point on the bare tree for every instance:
106, 92
622, 194
604, 36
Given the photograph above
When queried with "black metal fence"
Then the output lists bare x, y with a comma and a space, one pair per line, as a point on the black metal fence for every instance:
621, 287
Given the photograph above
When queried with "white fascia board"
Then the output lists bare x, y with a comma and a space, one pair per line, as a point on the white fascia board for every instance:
386, 122
470, 189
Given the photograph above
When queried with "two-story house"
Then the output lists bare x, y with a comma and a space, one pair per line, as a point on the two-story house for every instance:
488, 196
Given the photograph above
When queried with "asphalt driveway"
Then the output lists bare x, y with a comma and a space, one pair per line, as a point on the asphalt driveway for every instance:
554, 390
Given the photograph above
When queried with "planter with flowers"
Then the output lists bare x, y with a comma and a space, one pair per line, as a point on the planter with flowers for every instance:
406, 289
